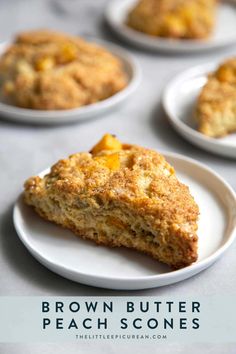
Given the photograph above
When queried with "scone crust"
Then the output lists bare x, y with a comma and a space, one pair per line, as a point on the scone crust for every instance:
187, 19
143, 188
49, 70
216, 105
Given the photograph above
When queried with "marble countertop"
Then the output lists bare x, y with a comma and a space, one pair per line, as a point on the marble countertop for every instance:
26, 149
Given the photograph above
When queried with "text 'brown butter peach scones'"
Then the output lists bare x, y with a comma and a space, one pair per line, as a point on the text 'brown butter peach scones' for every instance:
216, 105
52, 71
186, 19
120, 195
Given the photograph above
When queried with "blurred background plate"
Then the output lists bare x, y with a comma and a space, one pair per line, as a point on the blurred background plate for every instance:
179, 100
224, 34
33, 116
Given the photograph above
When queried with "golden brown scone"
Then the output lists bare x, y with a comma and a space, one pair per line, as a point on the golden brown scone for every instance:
187, 19
120, 195
216, 105
51, 71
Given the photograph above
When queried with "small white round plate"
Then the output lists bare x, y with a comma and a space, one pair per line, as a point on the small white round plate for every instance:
84, 262
224, 34
33, 116
179, 101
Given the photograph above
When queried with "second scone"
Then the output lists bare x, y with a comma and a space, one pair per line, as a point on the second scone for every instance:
182, 19
49, 70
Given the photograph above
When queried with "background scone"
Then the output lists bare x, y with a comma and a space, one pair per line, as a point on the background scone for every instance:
189, 19
120, 195
216, 106
51, 71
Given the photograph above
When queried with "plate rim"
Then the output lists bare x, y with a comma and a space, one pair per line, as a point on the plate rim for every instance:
143, 40
178, 124
171, 276
84, 112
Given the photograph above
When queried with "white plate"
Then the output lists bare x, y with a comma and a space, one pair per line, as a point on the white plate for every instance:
132, 70
224, 34
179, 100
84, 262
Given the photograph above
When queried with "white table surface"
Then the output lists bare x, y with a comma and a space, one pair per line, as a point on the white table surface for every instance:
26, 150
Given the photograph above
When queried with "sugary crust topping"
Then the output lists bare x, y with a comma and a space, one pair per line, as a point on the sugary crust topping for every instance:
174, 18
50, 70
141, 180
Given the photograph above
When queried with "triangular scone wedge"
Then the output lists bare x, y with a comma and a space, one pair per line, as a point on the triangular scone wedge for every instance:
120, 195
216, 106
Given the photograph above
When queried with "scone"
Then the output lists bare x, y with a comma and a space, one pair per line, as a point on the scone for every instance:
120, 195
216, 105
52, 71
186, 19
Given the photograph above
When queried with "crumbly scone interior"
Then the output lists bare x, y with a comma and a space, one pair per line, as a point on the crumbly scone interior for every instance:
216, 105
119, 209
